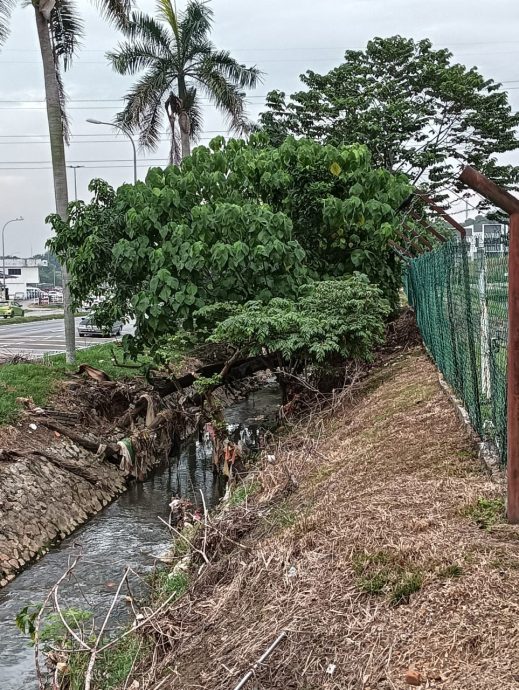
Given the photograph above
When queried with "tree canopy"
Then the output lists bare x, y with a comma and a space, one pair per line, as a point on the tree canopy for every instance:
235, 222
416, 110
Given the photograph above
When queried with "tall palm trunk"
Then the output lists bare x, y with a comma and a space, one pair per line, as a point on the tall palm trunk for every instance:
183, 119
59, 167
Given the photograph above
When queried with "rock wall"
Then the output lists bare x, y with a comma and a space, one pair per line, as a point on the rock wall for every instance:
41, 503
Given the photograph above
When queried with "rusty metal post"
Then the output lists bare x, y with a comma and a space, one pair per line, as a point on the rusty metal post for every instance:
512, 444
504, 200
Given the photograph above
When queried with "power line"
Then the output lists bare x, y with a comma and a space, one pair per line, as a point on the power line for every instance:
87, 167
98, 134
288, 49
90, 160
101, 100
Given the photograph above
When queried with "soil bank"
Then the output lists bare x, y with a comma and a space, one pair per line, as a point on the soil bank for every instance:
376, 541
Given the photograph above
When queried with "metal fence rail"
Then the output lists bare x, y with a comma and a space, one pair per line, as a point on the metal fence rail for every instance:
461, 307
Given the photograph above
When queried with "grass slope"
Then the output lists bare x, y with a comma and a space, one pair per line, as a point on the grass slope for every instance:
389, 558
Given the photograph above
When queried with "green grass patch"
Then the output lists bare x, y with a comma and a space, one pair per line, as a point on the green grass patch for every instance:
487, 512
282, 516
389, 573
243, 492
165, 583
448, 572
36, 381
112, 666
39, 380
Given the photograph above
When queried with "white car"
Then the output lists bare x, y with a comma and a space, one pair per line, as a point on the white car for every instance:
88, 327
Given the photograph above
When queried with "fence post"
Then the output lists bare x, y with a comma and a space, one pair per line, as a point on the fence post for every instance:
473, 362
485, 332
504, 200
513, 372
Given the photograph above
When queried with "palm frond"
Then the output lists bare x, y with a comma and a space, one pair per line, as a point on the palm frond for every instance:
131, 57
143, 110
6, 7
142, 26
228, 98
65, 122
231, 69
167, 12
195, 24
66, 30
115, 11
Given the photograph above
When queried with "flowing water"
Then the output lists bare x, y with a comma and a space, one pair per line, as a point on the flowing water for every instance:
126, 533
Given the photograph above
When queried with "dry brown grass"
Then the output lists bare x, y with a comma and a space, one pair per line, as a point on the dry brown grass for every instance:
391, 572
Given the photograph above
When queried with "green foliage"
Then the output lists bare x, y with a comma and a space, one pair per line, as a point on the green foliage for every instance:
26, 620
486, 512
334, 319
36, 381
52, 627
207, 383
237, 222
414, 108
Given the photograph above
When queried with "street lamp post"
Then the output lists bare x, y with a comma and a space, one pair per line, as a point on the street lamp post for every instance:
125, 131
14, 220
75, 168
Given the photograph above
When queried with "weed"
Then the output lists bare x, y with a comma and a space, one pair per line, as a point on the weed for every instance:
242, 492
408, 584
282, 517
112, 667
387, 572
451, 571
487, 512
165, 583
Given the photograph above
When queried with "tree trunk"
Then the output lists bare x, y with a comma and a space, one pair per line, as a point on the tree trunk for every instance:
59, 165
183, 119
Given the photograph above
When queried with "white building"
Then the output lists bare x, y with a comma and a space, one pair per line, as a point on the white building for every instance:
20, 276
486, 236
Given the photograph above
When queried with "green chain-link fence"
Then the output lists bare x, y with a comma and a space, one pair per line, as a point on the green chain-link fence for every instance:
461, 306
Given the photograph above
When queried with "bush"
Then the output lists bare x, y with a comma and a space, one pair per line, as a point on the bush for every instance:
333, 320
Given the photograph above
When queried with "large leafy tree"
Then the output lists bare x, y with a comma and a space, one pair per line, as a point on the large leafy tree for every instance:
237, 222
180, 62
415, 109
59, 28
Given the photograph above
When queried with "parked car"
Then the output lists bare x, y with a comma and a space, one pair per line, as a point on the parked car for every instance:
9, 309
87, 326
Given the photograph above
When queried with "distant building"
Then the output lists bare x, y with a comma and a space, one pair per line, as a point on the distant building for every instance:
486, 236
21, 276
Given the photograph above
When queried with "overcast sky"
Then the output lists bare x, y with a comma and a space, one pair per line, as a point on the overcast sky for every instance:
283, 37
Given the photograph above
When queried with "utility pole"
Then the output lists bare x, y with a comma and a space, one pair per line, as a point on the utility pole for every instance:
75, 169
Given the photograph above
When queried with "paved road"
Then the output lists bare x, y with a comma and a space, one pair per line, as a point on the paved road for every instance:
42, 337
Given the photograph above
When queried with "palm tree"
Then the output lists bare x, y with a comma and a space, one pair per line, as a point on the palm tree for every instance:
60, 29
179, 62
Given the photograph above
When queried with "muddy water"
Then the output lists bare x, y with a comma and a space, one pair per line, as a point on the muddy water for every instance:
126, 533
